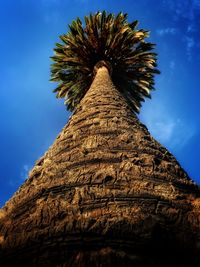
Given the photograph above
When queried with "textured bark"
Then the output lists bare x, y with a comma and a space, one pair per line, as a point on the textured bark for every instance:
105, 194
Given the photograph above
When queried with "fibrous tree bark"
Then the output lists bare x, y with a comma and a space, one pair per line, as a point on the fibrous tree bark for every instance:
104, 194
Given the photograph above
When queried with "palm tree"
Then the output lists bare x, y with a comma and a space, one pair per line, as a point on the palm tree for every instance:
105, 193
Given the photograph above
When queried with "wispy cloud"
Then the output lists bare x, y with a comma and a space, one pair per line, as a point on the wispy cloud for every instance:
196, 3
191, 28
22, 176
165, 31
162, 129
24, 172
190, 43
186, 11
172, 65
166, 128
52, 17
12, 183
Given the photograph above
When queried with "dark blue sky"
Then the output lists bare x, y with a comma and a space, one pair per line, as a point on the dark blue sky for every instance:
31, 117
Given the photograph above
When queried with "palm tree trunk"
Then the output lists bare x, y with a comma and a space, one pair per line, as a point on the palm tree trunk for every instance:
105, 194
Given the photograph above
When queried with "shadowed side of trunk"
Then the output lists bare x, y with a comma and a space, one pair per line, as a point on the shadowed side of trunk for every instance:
105, 192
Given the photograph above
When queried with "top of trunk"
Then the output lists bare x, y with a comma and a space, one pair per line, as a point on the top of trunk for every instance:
105, 186
102, 63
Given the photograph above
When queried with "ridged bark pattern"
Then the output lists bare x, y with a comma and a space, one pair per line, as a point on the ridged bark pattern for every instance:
105, 194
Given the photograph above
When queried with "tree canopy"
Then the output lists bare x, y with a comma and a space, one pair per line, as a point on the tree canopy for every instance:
110, 38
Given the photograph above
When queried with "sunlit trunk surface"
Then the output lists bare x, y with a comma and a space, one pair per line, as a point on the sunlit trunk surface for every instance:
104, 194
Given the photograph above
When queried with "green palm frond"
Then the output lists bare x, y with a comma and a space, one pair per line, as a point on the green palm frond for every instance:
112, 39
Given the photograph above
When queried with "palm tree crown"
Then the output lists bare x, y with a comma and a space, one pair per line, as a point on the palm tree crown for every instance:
113, 41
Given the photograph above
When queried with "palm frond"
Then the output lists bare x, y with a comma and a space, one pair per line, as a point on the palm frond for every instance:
112, 39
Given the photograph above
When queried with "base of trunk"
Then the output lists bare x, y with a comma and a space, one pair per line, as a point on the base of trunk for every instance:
102, 254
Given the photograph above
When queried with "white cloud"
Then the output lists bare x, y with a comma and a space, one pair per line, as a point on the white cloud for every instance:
187, 11
52, 17
12, 183
191, 28
23, 176
165, 31
172, 65
196, 4
190, 43
166, 128
182, 9
184, 131
25, 171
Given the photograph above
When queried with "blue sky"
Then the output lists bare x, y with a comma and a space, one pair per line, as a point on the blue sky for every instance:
31, 116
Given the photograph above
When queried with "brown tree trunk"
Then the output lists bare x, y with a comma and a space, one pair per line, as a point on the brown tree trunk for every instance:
105, 194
